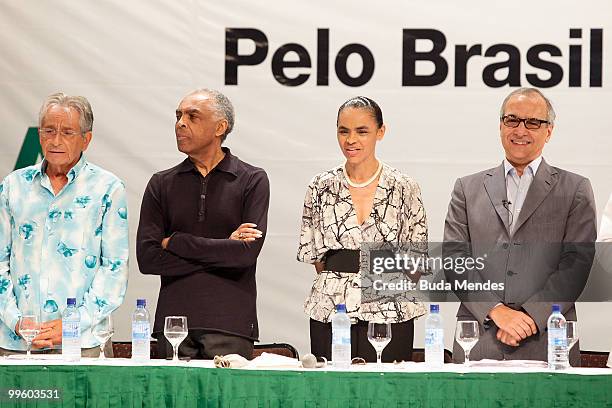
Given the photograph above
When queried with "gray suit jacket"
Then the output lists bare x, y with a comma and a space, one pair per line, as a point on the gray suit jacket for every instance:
539, 263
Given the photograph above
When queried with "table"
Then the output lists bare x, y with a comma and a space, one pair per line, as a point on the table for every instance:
122, 383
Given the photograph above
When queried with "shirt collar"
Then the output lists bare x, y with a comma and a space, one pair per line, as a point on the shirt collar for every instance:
73, 173
229, 164
533, 166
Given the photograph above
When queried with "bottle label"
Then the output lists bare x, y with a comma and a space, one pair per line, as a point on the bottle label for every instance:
433, 337
557, 337
140, 331
71, 330
341, 338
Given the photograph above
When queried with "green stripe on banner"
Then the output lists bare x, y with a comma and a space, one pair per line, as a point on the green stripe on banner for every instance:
155, 386
30, 150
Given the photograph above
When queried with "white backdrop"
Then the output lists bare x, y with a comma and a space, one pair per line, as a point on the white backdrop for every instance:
135, 60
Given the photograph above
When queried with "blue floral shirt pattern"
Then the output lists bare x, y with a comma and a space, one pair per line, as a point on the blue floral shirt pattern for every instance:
73, 244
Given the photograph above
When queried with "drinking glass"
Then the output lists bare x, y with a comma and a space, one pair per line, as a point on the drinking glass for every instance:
103, 331
175, 330
379, 335
29, 327
571, 328
467, 334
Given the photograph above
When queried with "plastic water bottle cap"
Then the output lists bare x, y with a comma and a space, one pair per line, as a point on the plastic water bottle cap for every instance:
141, 302
556, 308
71, 301
341, 308
434, 308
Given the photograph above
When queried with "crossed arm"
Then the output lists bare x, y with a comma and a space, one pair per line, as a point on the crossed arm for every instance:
182, 253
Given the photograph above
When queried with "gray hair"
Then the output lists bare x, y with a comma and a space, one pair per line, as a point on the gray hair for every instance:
223, 107
78, 103
529, 92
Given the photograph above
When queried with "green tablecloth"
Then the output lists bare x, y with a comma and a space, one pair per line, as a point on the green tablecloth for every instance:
112, 386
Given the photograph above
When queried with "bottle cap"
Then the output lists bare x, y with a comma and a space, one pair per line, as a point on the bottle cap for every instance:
341, 308
434, 308
556, 308
71, 301
141, 302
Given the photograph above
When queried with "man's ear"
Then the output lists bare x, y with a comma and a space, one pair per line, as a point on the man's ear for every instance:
87, 139
221, 127
549, 131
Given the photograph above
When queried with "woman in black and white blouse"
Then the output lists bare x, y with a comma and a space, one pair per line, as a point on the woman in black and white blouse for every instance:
362, 200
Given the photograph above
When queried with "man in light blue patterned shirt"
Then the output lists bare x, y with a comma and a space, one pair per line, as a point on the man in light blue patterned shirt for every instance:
63, 233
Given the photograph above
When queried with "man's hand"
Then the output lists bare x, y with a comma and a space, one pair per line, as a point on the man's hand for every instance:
507, 338
50, 334
164, 242
512, 323
246, 232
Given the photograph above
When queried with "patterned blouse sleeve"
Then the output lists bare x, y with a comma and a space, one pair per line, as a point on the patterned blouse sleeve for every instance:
415, 220
310, 248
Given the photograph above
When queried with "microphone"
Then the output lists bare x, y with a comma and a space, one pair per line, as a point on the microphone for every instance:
506, 204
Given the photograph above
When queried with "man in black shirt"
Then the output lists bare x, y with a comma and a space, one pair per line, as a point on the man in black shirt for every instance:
202, 225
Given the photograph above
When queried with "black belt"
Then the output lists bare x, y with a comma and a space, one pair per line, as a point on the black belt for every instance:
342, 260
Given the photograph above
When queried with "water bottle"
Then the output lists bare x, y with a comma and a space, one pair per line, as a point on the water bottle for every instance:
341, 338
557, 340
141, 332
434, 338
71, 331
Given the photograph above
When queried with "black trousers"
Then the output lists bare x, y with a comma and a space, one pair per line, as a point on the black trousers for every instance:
201, 344
400, 347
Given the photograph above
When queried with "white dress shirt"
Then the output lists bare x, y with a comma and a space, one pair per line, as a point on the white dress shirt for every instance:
517, 188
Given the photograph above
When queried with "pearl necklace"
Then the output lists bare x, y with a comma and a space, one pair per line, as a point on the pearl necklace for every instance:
365, 183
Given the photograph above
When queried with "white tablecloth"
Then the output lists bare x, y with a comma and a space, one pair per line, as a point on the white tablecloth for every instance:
487, 366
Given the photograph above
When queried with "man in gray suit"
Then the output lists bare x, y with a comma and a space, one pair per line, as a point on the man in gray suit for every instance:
534, 226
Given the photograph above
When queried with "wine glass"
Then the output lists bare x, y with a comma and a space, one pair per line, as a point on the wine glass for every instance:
467, 334
29, 327
103, 331
379, 335
571, 329
175, 330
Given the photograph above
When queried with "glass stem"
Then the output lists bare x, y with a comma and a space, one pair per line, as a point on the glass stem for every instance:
102, 356
175, 350
29, 349
379, 358
467, 357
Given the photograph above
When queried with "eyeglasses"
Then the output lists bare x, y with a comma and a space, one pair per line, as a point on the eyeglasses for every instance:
50, 132
530, 123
